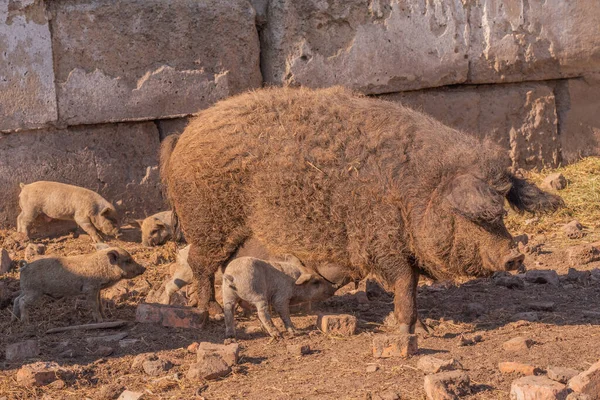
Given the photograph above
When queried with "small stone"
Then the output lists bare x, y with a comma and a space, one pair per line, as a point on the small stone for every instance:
34, 250
509, 281
387, 395
583, 254
537, 388
447, 385
5, 261
521, 239
385, 346
433, 365
212, 367
104, 351
339, 324
171, 316
465, 341
298, 349
518, 344
510, 367
579, 276
57, 384
156, 367
555, 181
129, 395
587, 382
561, 374
38, 374
526, 316
542, 276
573, 230
541, 306
372, 368
110, 391
229, 353
140, 359
578, 396
193, 348
22, 350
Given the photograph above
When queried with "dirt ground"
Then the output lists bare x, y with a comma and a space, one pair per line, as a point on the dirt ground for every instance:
566, 334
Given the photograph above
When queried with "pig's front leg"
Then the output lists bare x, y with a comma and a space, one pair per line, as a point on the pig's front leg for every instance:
265, 318
89, 228
282, 306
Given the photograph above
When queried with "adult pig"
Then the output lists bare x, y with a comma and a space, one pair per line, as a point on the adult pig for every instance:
339, 179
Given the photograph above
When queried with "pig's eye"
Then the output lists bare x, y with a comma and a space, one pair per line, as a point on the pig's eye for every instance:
154, 232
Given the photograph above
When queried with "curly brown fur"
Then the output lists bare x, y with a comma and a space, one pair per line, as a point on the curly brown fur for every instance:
335, 178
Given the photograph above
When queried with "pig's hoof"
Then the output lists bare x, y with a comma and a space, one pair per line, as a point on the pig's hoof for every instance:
229, 340
404, 329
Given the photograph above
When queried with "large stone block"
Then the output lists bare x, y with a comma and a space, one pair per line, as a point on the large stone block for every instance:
150, 59
519, 40
119, 161
27, 96
519, 117
578, 102
380, 46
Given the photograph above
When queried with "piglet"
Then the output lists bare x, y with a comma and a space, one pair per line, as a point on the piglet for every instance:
67, 202
72, 276
262, 283
182, 276
157, 229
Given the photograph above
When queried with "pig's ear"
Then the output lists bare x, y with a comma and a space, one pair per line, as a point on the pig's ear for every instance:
113, 257
304, 278
475, 200
160, 224
138, 222
525, 196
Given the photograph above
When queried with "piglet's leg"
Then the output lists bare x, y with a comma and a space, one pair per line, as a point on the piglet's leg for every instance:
89, 228
283, 309
229, 302
405, 300
93, 298
27, 300
265, 318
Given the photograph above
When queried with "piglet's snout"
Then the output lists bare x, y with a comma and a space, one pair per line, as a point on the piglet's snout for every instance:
513, 261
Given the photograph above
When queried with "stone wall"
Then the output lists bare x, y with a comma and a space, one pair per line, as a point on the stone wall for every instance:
88, 88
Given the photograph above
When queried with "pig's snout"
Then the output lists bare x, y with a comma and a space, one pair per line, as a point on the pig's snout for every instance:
513, 261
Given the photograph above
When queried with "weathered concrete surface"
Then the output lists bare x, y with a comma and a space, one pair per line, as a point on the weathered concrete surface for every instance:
380, 46
119, 161
27, 96
173, 126
578, 104
150, 59
519, 40
519, 117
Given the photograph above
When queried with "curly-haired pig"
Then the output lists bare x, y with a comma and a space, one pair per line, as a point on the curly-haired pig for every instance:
157, 228
85, 274
263, 283
57, 200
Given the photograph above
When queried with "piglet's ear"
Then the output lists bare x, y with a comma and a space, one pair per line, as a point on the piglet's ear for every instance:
138, 222
160, 224
475, 200
113, 257
304, 278
106, 211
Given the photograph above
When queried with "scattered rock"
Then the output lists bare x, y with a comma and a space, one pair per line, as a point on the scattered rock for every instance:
229, 353
104, 351
22, 350
521, 239
34, 250
447, 385
537, 388
5, 261
193, 348
555, 181
583, 254
510, 367
340, 324
212, 367
129, 395
573, 230
526, 316
372, 368
561, 374
508, 281
38, 374
156, 367
298, 349
579, 276
587, 382
541, 306
542, 276
110, 391
171, 316
385, 346
465, 341
139, 360
433, 365
57, 384
518, 344
578, 396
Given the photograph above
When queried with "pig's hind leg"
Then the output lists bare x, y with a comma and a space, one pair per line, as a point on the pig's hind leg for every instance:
230, 300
